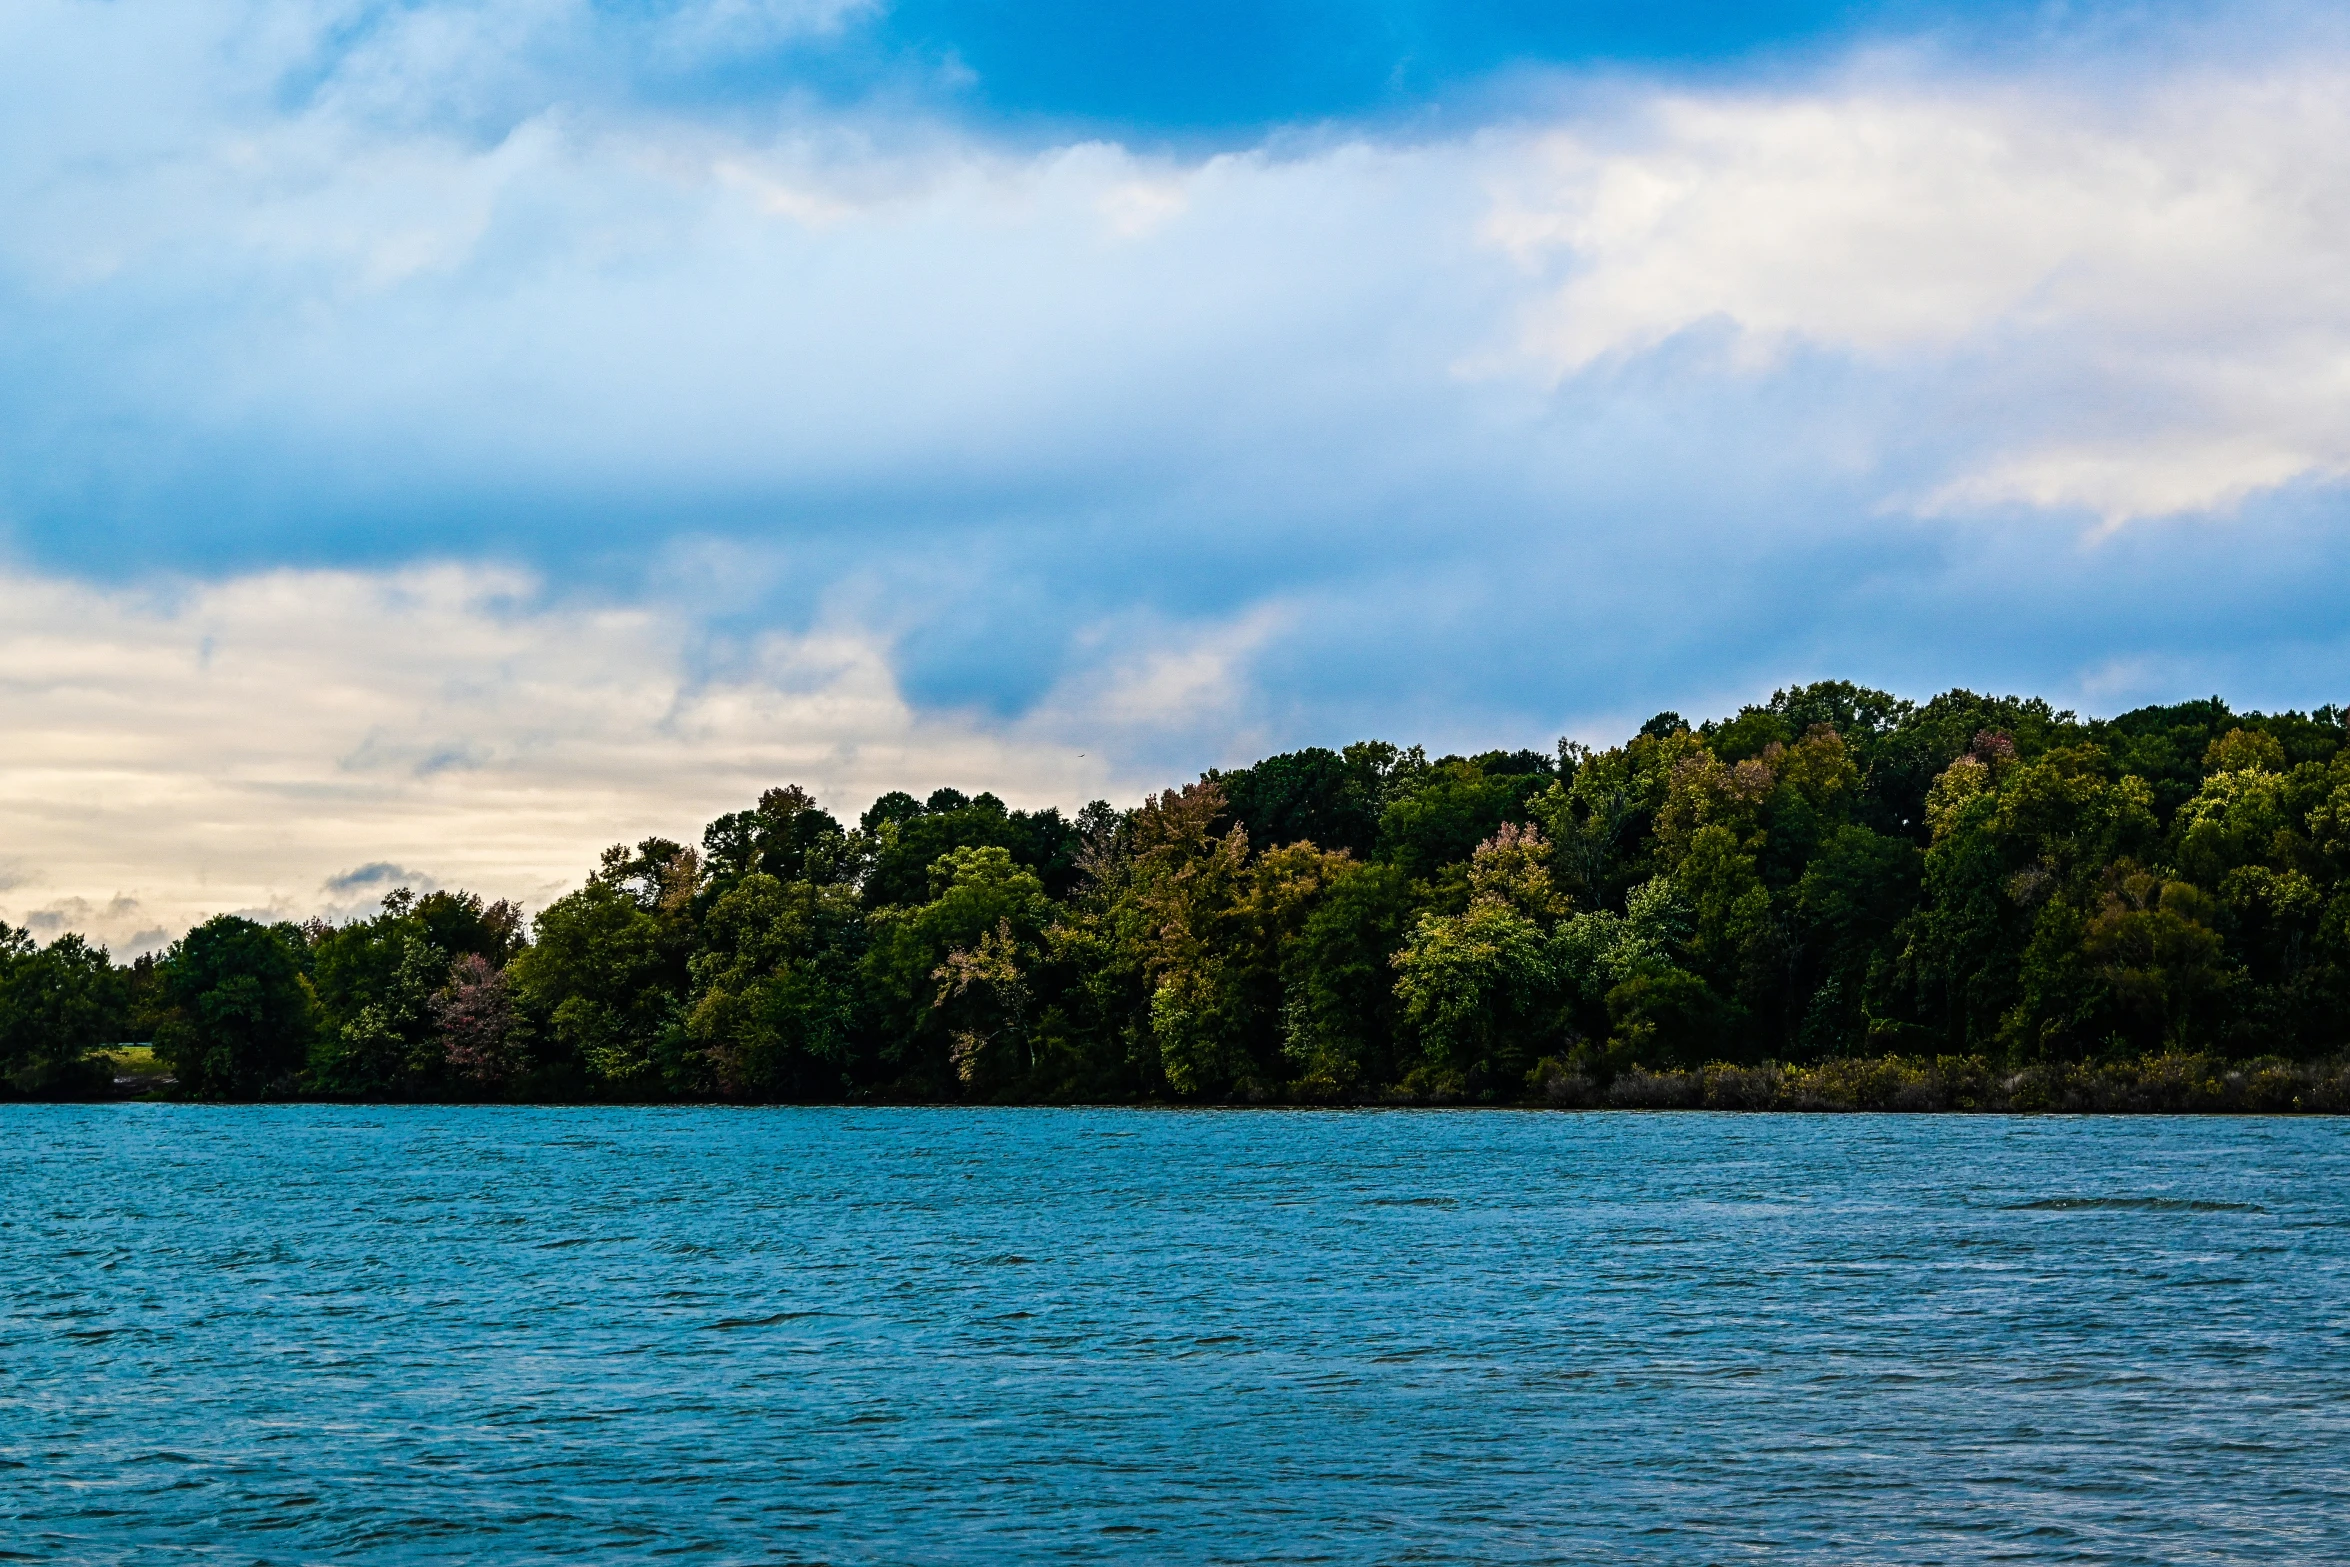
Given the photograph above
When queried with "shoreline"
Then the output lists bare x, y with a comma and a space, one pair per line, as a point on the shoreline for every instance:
2168, 1084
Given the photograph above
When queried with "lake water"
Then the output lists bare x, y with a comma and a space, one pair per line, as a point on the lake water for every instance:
311, 1333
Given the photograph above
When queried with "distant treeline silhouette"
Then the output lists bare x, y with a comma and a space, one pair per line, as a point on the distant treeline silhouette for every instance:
1834, 898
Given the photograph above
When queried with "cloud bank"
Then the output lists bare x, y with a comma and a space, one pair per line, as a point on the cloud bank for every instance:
750, 433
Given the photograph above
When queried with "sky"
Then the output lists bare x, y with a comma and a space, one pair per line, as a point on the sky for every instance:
439, 439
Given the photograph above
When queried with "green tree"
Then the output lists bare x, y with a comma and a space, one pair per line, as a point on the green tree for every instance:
1209, 924
2239, 817
979, 895
1338, 981
2153, 945
1312, 796
904, 840
774, 1006
1443, 816
57, 1004
1601, 821
1670, 1018
603, 973
2008, 836
390, 1042
1848, 909
1479, 991
238, 1016
787, 836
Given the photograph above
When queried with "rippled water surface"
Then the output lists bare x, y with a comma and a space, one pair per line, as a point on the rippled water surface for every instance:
512, 1335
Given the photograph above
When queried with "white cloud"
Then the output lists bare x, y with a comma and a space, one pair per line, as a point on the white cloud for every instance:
2131, 304
1149, 688
2139, 306
280, 743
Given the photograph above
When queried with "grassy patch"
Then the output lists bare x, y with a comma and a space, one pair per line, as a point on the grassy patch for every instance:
133, 1061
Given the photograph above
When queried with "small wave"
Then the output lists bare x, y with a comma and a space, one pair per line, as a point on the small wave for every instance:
2130, 1206
761, 1322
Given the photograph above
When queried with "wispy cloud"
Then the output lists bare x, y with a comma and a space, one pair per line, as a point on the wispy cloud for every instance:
378, 877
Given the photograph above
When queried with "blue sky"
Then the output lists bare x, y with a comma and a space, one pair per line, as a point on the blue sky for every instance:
1229, 68
1221, 71
1062, 398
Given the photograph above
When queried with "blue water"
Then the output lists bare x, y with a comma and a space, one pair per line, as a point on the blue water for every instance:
515, 1335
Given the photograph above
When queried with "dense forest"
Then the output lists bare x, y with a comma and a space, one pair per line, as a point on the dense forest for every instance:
1837, 897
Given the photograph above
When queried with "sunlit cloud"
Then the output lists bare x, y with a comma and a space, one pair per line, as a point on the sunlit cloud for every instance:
2153, 294
231, 746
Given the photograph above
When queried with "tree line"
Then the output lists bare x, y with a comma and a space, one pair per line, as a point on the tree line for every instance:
1834, 875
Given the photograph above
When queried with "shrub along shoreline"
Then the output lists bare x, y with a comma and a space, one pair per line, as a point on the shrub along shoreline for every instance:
2172, 1084
1833, 900
2176, 1084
